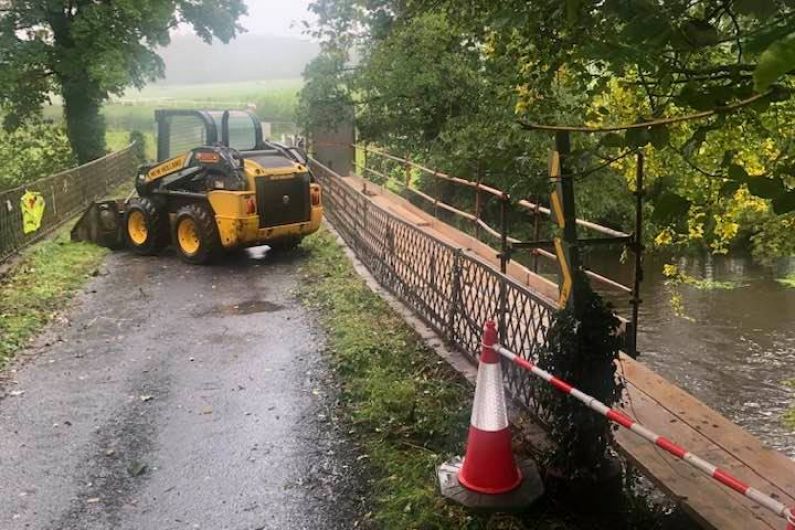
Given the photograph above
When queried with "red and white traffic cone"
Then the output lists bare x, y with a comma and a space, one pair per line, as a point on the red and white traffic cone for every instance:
489, 466
488, 477
791, 519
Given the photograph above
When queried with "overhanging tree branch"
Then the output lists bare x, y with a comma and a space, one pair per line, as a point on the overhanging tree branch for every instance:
652, 123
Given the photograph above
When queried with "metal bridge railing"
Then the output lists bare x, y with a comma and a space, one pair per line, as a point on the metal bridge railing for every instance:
497, 207
483, 194
65, 194
451, 290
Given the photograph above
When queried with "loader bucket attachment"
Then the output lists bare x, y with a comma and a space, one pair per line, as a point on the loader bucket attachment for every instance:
101, 224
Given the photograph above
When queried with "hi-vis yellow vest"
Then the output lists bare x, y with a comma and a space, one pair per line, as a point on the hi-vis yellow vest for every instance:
32, 211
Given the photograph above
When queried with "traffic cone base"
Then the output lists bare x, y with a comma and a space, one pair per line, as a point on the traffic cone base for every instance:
530, 489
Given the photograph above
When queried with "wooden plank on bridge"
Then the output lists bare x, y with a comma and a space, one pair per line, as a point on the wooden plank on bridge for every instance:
669, 410
659, 405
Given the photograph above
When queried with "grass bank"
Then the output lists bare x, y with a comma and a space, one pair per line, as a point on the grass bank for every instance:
789, 416
787, 281
31, 294
407, 408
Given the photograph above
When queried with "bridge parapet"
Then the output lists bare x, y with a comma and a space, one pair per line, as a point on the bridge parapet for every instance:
450, 281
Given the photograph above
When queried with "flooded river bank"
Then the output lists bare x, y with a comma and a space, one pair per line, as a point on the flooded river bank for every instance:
734, 348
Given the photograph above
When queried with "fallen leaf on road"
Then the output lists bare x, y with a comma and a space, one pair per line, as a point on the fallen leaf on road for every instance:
136, 469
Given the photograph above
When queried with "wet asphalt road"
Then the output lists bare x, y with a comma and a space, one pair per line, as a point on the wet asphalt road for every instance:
175, 396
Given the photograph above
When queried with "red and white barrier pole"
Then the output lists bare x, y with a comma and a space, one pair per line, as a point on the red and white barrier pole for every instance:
724, 477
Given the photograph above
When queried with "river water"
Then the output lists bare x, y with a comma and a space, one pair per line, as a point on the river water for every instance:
735, 349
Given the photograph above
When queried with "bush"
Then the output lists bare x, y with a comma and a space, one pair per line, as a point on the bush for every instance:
138, 138
583, 346
33, 151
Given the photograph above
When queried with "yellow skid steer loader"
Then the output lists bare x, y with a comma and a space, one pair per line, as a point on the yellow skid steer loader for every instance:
217, 186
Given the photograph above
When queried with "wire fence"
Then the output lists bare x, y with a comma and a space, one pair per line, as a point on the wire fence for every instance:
61, 196
452, 290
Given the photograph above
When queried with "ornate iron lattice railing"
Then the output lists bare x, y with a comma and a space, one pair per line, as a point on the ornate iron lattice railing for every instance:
489, 220
452, 290
65, 195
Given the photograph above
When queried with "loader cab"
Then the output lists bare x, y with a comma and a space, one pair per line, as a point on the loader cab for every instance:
179, 130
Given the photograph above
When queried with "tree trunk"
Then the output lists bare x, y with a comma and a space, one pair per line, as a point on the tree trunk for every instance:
85, 126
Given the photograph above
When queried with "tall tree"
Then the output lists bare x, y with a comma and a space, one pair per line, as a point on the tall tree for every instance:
87, 50
724, 179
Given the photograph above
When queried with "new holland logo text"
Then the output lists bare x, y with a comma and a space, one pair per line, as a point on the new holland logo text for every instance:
166, 168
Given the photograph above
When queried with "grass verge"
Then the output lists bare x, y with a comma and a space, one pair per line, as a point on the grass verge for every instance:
407, 408
789, 415
787, 281
39, 285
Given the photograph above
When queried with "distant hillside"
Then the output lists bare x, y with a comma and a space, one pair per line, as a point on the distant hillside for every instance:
247, 58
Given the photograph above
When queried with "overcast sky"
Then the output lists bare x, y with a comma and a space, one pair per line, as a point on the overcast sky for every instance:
276, 17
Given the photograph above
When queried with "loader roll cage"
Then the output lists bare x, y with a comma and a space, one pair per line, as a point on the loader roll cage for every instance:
181, 129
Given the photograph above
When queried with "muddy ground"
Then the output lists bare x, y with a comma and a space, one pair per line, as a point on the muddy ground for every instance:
175, 396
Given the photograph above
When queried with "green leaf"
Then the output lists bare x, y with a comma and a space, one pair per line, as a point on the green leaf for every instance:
766, 188
729, 188
760, 41
670, 206
779, 93
728, 156
760, 105
738, 173
693, 144
572, 11
612, 140
757, 8
774, 62
700, 33
784, 203
637, 137
707, 98
659, 136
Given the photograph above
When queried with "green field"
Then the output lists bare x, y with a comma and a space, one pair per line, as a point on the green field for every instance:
275, 102
118, 139
40, 149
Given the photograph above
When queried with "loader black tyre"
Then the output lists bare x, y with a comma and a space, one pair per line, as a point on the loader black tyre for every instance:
145, 226
196, 234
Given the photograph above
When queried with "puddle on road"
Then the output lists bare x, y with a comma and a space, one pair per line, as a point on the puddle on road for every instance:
243, 308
